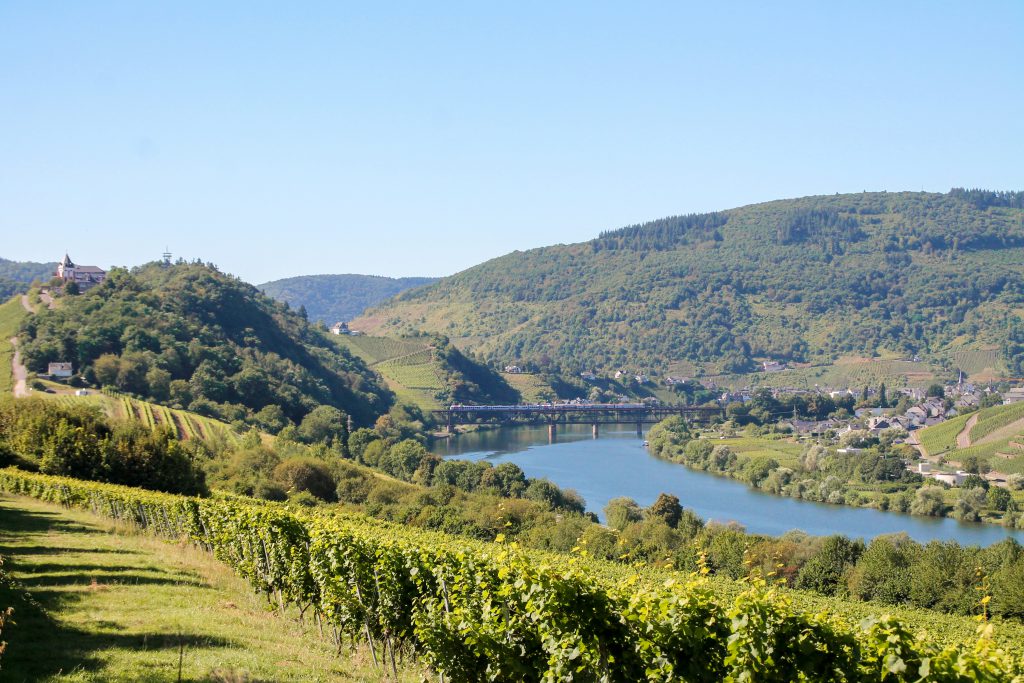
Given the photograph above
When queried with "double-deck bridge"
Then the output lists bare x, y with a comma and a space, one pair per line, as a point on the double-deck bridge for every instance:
554, 414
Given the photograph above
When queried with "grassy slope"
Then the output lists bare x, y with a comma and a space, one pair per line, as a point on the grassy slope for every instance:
11, 315
119, 605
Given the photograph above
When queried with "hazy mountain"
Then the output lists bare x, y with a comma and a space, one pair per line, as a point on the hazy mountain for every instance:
334, 298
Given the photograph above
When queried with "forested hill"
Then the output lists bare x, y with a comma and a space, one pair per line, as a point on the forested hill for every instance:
16, 275
803, 280
339, 298
191, 337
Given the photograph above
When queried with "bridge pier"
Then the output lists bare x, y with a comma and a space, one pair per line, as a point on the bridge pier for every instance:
596, 430
640, 429
552, 432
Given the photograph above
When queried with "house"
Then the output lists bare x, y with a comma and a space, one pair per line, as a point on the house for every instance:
339, 328
619, 374
59, 370
588, 376
513, 370
84, 277
924, 468
772, 366
913, 394
1014, 395
917, 415
951, 478
640, 379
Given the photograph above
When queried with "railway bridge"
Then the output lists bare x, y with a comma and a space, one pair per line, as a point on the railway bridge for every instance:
554, 414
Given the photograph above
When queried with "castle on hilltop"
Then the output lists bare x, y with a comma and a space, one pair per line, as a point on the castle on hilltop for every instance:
83, 276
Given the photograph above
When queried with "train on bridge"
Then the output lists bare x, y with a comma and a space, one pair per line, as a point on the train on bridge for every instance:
553, 414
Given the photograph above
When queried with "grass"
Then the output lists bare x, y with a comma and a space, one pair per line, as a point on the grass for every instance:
11, 315
379, 349
109, 604
786, 452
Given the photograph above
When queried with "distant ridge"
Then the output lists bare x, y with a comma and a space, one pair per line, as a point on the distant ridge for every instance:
16, 275
806, 280
339, 298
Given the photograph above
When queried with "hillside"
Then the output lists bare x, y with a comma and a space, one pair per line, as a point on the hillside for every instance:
429, 372
16, 275
191, 337
805, 281
338, 298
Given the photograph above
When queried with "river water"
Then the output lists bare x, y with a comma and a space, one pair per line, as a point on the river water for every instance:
617, 464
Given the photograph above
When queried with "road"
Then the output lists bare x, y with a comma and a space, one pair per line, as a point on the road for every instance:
19, 372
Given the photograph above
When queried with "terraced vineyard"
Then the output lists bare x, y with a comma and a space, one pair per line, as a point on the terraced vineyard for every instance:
184, 424
997, 438
980, 364
407, 366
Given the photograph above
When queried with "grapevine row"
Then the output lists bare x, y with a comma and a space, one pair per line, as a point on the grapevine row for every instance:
475, 611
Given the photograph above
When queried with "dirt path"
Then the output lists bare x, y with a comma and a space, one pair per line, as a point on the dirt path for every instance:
19, 372
46, 299
963, 439
26, 305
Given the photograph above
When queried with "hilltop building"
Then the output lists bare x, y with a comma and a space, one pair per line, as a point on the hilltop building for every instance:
83, 276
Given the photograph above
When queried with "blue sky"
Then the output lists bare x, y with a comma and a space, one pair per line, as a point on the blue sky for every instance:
280, 139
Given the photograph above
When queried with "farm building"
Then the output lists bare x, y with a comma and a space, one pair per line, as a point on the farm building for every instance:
59, 370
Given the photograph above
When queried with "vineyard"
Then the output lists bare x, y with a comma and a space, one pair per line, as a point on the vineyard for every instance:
979, 363
407, 365
475, 611
997, 438
183, 424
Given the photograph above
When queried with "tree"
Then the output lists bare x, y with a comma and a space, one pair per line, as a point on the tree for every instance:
324, 424
969, 505
306, 474
622, 511
935, 391
999, 499
667, 509
883, 571
928, 501
825, 571
883, 401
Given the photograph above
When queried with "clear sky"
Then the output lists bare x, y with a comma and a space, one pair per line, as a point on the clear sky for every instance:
421, 138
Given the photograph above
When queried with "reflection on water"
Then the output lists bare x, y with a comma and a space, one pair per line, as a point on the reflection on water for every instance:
617, 464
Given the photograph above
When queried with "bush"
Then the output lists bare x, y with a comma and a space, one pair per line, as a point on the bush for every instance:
306, 474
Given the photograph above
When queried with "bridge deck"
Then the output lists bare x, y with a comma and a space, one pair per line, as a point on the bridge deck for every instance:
574, 413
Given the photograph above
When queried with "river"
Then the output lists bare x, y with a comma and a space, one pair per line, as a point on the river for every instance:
617, 464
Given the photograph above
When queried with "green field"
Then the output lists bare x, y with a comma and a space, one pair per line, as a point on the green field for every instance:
11, 315
786, 452
106, 606
531, 387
